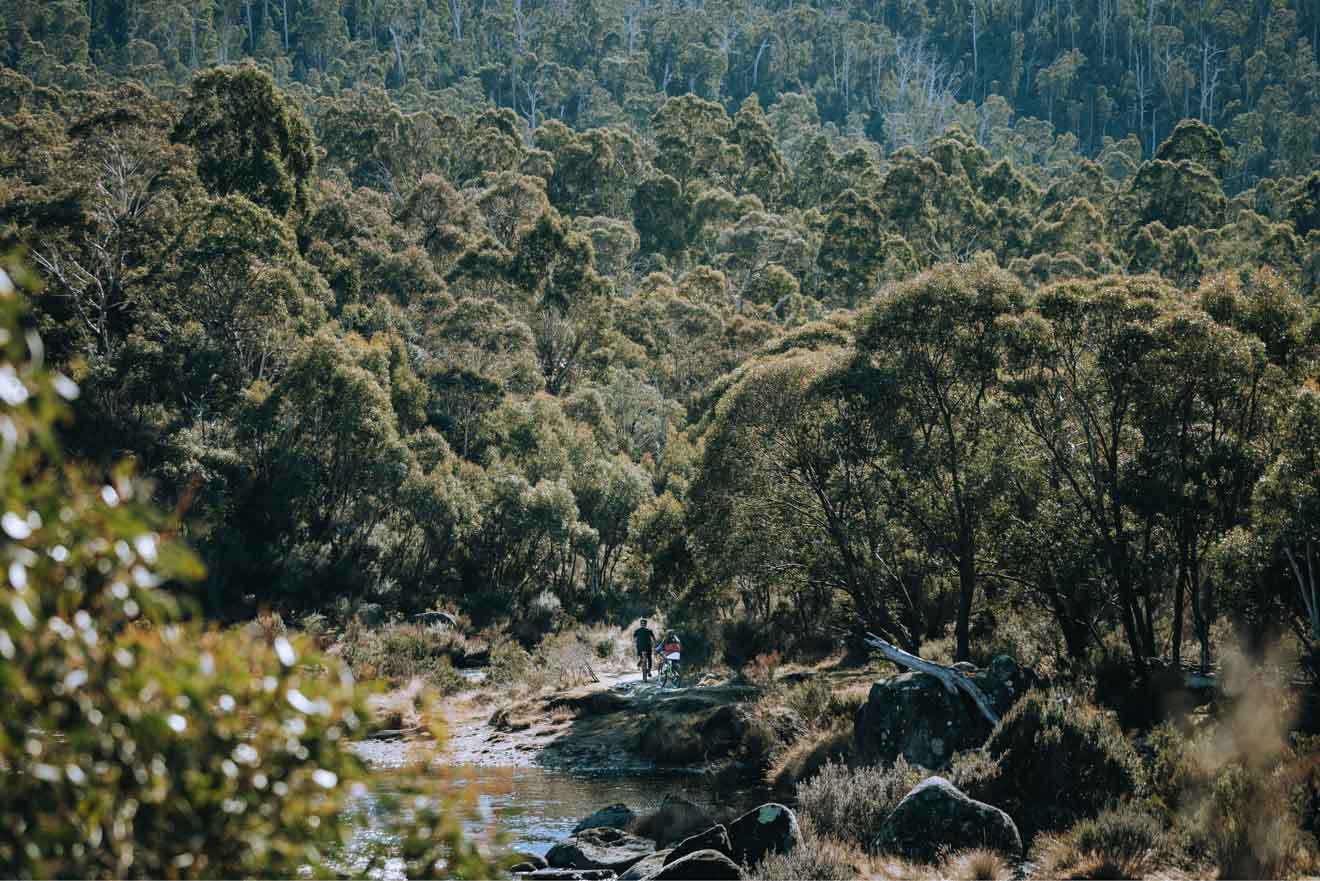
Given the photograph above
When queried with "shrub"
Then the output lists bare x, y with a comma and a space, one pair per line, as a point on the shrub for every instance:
804, 759
1248, 824
972, 771
743, 641
135, 742
1120, 842
850, 803
815, 857
398, 653
761, 672
1170, 766
510, 663
1060, 760
812, 700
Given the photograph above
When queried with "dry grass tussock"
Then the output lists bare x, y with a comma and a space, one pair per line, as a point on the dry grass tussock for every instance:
825, 857
849, 804
1124, 842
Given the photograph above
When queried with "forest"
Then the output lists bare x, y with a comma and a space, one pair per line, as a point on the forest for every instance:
985, 325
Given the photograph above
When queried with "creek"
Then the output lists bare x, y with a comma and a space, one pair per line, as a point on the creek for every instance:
526, 809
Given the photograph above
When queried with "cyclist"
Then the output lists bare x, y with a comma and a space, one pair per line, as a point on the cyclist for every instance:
645, 638
670, 651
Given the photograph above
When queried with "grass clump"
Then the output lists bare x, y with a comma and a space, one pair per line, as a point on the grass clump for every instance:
849, 804
816, 857
1121, 842
975, 865
1060, 760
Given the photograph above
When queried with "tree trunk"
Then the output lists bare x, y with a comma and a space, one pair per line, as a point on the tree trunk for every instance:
966, 594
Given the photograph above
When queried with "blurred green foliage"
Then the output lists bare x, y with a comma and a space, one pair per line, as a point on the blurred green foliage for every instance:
134, 741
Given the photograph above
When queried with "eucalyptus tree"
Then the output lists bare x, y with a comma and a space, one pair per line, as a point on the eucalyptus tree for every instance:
927, 371
1081, 372
250, 140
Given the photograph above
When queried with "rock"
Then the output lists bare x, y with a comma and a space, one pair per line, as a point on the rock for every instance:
436, 619
771, 828
1004, 681
674, 820
704, 865
370, 615
714, 838
535, 861
914, 716
646, 867
617, 816
603, 847
723, 731
937, 816
569, 875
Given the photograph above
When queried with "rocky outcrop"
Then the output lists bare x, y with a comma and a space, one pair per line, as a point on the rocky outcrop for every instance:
936, 816
603, 847
617, 816
771, 828
704, 865
714, 838
913, 715
567, 875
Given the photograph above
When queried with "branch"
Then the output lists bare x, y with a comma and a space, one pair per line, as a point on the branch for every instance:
952, 679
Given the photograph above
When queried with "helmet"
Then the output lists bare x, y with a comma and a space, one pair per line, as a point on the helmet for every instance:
643, 622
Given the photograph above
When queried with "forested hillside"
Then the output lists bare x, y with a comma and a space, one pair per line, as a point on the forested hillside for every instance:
904, 314
1040, 80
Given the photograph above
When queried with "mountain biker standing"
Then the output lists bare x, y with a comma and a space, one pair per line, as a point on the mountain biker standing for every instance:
645, 638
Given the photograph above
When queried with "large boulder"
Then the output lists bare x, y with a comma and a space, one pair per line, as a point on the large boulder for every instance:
714, 838
674, 820
704, 865
616, 816
936, 816
567, 875
771, 828
603, 847
913, 715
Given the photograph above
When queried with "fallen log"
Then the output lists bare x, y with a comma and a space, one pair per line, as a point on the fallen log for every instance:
953, 680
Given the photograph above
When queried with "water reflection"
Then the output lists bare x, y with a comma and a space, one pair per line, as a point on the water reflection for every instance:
529, 808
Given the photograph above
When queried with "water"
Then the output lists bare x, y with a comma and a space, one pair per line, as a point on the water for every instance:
527, 810
533, 808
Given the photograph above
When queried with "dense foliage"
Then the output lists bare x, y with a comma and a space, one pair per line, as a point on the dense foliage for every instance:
134, 742
786, 319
